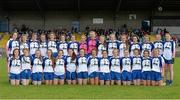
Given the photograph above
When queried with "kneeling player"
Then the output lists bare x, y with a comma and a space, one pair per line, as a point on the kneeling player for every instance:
59, 70
93, 68
157, 71
104, 73
25, 67
136, 67
115, 68
37, 68
82, 71
126, 63
146, 69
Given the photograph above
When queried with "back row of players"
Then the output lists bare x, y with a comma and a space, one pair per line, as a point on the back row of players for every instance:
102, 62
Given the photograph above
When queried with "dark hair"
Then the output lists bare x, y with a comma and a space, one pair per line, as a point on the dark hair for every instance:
52, 58
146, 51
73, 56
14, 52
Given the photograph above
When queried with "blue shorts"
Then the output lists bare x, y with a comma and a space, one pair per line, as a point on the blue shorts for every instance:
136, 74
93, 75
156, 76
168, 61
70, 75
26, 74
14, 76
126, 76
82, 75
146, 75
61, 77
104, 76
37, 76
115, 75
55, 54
48, 76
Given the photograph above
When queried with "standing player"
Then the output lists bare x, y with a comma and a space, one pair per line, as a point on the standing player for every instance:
146, 68
26, 67
12, 44
126, 63
147, 45
104, 72
157, 68
136, 67
82, 71
48, 64
52, 45
83, 44
169, 55
23, 44
115, 68
112, 44
93, 68
159, 44
122, 45
15, 67
33, 44
92, 41
63, 45
71, 67
37, 68
59, 70
134, 45
73, 44
43, 45
101, 45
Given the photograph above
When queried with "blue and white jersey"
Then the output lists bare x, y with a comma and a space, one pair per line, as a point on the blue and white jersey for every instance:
93, 64
15, 66
37, 65
13, 44
7, 46
111, 45
70, 64
82, 64
146, 64
33, 45
52, 45
126, 63
48, 65
74, 46
64, 46
60, 66
147, 46
115, 64
159, 45
122, 47
43, 48
22, 46
134, 46
157, 63
136, 63
169, 49
104, 65
26, 62
100, 48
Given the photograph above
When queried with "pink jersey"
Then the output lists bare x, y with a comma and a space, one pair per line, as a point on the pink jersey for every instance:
91, 45
83, 46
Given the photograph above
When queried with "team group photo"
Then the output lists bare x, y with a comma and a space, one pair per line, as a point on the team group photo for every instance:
89, 49
42, 58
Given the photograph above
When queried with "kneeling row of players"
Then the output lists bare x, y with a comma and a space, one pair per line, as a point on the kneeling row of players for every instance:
105, 70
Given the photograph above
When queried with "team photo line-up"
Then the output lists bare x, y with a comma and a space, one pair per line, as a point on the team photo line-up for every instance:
94, 60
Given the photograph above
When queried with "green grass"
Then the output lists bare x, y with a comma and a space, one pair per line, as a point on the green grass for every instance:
87, 92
